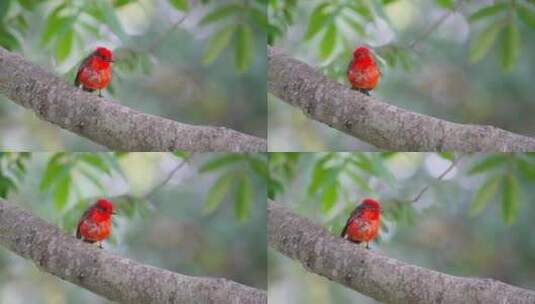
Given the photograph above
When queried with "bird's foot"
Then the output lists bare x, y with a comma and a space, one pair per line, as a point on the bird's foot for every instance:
99, 93
368, 246
100, 245
363, 91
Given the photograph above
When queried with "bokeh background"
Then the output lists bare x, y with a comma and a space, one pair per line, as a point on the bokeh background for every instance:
209, 219
476, 222
197, 62
475, 67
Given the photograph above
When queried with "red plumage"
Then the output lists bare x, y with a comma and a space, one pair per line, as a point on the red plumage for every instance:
364, 222
95, 223
362, 72
94, 72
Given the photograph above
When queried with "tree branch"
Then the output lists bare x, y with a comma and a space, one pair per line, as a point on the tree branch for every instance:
453, 164
376, 122
105, 122
377, 276
162, 184
112, 276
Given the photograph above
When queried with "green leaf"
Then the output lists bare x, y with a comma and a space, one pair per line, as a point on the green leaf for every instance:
220, 13
7, 40
447, 155
362, 9
55, 25
4, 8
483, 41
6, 184
181, 154
317, 20
328, 42
181, 5
259, 166
92, 178
217, 193
487, 163
487, 11
483, 195
329, 196
61, 192
64, 45
119, 3
29, 4
449, 4
526, 15
217, 43
509, 198
274, 187
320, 173
243, 50
111, 20
510, 47
244, 196
222, 161
54, 170
360, 181
359, 28
259, 17
526, 168
94, 160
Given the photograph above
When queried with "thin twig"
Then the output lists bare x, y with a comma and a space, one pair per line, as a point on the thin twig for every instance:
435, 25
163, 35
438, 179
168, 178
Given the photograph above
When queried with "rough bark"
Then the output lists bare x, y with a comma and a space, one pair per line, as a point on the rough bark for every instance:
377, 276
109, 123
112, 276
376, 122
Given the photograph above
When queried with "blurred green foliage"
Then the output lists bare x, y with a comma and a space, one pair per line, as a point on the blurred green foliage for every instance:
235, 171
67, 22
169, 60
66, 174
161, 219
334, 176
334, 25
475, 222
12, 171
243, 16
424, 49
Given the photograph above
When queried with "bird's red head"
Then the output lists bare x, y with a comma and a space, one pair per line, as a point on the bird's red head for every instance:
372, 204
103, 54
104, 206
361, 51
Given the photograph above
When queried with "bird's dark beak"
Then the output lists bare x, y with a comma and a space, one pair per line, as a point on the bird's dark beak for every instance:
111, 60
114, 212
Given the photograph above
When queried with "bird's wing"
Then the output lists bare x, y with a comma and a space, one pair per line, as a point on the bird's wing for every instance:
80, 68
343, 233
349, 67
82, 218
354, 214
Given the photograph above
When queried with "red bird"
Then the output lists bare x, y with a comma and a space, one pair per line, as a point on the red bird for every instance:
95, 223
363, 224
362, 72
94, 72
